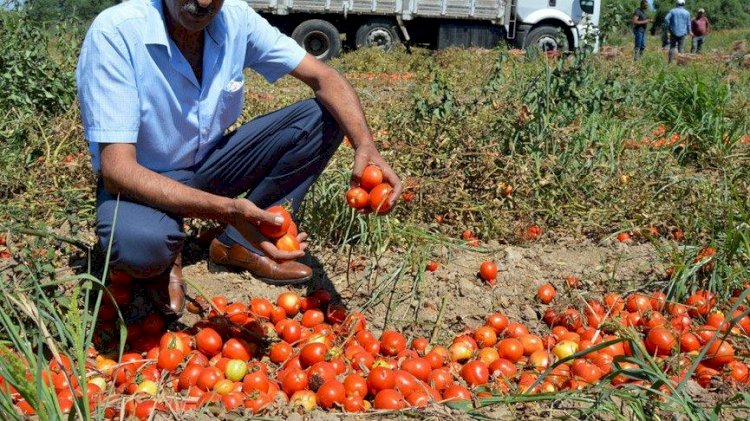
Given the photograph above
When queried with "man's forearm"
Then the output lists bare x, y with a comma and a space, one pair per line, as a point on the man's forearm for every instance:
153, 189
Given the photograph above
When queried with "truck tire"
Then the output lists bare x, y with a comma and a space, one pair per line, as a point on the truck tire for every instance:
319, 38
547, 38
380, 33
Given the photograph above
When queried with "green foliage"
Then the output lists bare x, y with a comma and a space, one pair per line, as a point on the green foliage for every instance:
34, 78
56, 10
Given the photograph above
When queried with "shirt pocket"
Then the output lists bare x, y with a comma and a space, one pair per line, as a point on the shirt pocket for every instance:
230, 103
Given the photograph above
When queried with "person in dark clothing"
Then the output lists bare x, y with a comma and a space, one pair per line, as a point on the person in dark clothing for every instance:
700, 27
640, 22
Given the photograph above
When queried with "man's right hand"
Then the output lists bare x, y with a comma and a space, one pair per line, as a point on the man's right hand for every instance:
247, 217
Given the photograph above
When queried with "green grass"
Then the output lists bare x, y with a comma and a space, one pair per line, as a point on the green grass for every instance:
456, 132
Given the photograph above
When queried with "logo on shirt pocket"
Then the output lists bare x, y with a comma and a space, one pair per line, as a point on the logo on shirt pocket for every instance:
234, 86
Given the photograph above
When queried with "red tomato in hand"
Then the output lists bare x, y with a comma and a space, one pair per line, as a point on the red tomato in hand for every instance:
372, 176
357, 198
276, 231
379, 197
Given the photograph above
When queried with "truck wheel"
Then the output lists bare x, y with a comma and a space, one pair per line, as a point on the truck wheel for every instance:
380, 33
547, 38
319, 38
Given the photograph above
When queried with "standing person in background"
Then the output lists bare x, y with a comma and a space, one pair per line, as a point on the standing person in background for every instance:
678, 22
700, 27
640, 22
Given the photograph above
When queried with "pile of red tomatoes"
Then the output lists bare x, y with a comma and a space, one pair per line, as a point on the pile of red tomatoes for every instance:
307, 353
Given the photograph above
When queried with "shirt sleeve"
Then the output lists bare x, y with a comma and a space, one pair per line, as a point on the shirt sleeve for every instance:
107, 89
269, 52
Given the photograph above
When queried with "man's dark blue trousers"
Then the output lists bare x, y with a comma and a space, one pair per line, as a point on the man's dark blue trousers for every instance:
273, 159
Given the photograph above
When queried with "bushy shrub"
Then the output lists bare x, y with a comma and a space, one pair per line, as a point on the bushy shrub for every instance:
32, 77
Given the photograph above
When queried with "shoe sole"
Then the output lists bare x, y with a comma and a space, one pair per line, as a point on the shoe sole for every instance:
218, 267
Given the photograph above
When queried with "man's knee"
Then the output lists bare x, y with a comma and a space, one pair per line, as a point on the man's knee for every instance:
144, 250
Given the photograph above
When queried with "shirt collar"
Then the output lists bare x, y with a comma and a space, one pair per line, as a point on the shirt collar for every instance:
156, 31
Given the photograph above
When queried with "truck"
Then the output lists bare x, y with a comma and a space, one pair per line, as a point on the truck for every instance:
324, 27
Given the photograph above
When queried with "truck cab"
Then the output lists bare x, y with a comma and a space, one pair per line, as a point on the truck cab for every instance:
555, 24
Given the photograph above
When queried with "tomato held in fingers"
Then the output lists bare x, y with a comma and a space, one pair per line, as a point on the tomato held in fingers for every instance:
276, 231
357, 198
288, 243
372, 176
380, 196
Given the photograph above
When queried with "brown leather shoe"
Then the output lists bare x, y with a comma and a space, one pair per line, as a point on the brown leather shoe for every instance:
265, 269
167, 291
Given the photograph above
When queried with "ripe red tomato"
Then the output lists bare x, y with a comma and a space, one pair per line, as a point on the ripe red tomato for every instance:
232, 401
638, 303
485, 336
379, 197
488, 271
295, 380
440, 379
288, 243
432, 266
475, 373
511, 349
689, 342
255, 380
169, 359
280, 352
392, 342
503, 368
420, 344
380, 378
290, 302
319, 374
312, 318
372, 176
312, 353
238, 349
354, 403
719, 354
516, 330
330, 394
546, 293
406, 383
208, 378
660, 341
623, 237
355, 384
497, 321
257, 401
418, 367
357, 198
456, 393
389, 399
531, 343
276, 231
208, 341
